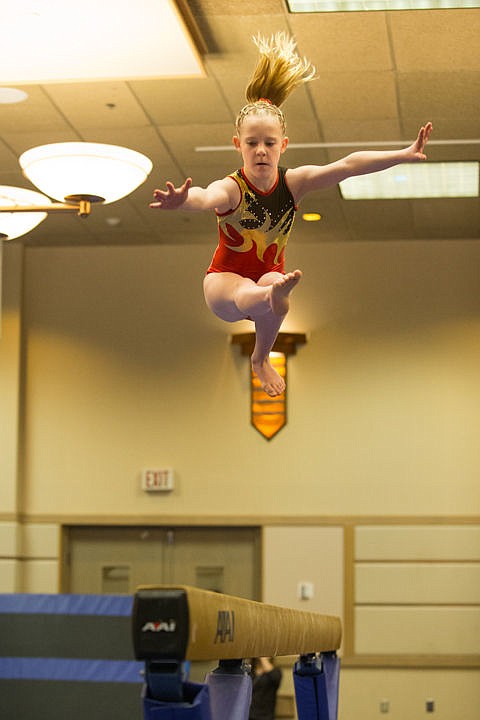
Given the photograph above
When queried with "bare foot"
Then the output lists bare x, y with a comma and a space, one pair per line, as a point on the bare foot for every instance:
270, 380
280, 292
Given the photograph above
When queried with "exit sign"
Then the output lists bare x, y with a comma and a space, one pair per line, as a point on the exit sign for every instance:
158, 480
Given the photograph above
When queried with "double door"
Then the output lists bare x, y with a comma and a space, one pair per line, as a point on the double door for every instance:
119, 559
116, 560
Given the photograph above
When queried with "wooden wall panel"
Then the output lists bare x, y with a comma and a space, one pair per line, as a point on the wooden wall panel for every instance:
418, 583
417, 631
418, 542
417, 591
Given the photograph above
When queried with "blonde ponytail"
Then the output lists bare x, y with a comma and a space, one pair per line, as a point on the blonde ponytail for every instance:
279, 70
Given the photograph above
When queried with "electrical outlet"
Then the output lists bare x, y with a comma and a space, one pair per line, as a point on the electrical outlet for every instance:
384, 706
430, 706
305, 590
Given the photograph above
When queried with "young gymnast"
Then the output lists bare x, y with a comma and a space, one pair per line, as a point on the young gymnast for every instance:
255, 206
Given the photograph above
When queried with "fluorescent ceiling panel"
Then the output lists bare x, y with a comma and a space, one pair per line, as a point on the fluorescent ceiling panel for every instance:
416, 180
50, 41
311, 6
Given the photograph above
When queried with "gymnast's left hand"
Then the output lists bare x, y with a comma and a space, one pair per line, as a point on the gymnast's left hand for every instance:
416, 150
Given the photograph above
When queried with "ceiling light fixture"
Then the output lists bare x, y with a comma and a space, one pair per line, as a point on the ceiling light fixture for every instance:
415, 180
77, 174
318, 6
40, 41
17, 218
85, 171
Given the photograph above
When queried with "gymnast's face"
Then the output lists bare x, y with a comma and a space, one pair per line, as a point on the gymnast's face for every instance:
261, 142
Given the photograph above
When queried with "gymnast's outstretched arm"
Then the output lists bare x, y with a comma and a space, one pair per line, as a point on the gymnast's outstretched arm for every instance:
220, 195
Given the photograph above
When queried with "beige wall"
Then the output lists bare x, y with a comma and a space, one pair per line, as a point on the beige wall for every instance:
10, 409
123, 367
127, 368
10, 353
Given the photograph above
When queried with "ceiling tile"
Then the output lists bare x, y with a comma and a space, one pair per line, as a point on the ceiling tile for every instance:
303, 156
181, 102
21, 141
183, 139
230, 74
454, 152
356, 130
8, 161
36, 113
227, 7
379, 220
235, 37
302, 122
115, 218
331, 227
60, 229
366, 95
87, 105
440, 39
322, 37
183, 225
447, 218
425, 94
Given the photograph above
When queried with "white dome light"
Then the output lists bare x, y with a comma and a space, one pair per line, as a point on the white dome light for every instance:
85, 171
15, 224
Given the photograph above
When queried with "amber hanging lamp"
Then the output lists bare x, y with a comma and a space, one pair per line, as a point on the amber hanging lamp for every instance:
269, 414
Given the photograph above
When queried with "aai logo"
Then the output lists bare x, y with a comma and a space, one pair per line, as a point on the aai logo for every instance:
158, 626
225, 626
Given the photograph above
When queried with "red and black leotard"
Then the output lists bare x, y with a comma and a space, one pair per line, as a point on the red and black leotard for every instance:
253, 235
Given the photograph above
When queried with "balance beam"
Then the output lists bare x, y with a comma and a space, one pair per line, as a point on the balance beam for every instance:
185, 623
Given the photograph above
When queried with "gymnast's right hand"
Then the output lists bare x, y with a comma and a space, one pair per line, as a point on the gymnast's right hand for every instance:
171, 198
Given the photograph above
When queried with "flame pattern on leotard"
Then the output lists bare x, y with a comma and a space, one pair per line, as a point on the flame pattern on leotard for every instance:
260, 225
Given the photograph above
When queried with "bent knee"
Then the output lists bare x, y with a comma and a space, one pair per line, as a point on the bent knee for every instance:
219, 290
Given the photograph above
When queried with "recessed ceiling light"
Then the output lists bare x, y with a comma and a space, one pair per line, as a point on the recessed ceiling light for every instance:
113, 221
317, 6
311, 217
10, 95
415, 180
